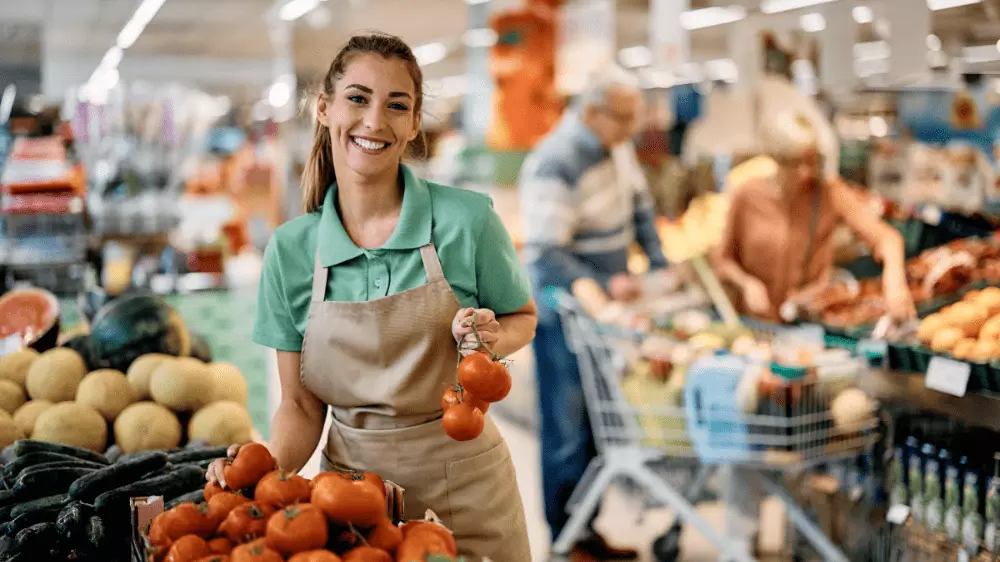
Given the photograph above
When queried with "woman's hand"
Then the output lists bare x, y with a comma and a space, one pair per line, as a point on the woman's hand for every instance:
755, 297
899, 301
486, 324
214, 473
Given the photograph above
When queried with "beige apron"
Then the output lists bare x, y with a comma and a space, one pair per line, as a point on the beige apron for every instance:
382, 366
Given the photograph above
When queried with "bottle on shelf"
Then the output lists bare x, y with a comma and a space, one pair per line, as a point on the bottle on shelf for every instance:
953, 498
992, 509
972, 520
915, 478
934, 473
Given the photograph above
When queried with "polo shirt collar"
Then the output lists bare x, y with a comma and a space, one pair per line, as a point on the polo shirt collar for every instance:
412, 231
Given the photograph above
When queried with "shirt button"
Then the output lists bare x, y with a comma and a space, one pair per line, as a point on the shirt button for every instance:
378, 282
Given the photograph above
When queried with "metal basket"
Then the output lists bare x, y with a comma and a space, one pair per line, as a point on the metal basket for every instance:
706, 430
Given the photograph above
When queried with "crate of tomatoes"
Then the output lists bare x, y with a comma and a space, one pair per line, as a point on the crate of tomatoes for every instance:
266, 515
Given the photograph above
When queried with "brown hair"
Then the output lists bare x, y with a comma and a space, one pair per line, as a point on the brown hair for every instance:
318, 174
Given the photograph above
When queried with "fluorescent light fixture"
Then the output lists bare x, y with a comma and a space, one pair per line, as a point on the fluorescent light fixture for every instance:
474, 2
635, 57
863, 14
112, 57
812, 23
775, 6
710, 17
137, 23
430, 53
933, 42
479, 38
945, 4
295, 9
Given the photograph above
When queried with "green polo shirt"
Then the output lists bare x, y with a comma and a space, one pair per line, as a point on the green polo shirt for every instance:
475, 249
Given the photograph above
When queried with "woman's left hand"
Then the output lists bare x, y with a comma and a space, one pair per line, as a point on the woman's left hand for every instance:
486, 324
900, 302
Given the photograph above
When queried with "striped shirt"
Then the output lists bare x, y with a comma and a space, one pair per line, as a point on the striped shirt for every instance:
583, 206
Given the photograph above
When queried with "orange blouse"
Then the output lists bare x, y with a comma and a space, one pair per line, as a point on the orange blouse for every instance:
788, 243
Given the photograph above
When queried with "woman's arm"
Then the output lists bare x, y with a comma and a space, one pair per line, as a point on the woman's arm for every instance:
886, 244
298, 424
517, 329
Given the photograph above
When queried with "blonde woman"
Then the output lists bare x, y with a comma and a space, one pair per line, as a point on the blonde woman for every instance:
778, 244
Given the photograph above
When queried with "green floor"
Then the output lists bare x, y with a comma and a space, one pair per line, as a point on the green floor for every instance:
225, 320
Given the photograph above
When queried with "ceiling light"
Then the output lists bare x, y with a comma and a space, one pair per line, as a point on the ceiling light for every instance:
775, 6
709, 17
480, 38
430, 53
945, 4
933, 42
279, 94
112, 57
863, 14
137, 23
295, 9
474, 2
635, 57
812, 23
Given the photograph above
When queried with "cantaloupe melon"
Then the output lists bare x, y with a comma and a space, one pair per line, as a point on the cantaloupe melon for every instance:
141, 370
15, 366
69, 423
11, 396
147, 426
221, 423
228, 383
9, 432
107, 391
26, 415
55, 375
183, 384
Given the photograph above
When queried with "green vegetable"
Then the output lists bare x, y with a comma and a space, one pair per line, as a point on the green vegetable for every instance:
54, 480
14, 469
25, 446
36, 539
180, 480
95, 532
196, 496
71, 523
48, 504
96, 483
198, 455
59, 464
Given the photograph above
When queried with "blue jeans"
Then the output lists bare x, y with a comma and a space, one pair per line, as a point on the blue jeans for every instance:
566, 437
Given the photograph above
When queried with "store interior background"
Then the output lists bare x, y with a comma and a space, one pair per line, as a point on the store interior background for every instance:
233, 74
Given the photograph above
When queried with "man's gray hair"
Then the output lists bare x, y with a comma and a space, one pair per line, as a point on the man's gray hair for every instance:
603, 81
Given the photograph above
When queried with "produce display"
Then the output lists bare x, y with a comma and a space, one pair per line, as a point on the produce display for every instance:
968, 330
63, 502
265, 514
482, 379
933, 274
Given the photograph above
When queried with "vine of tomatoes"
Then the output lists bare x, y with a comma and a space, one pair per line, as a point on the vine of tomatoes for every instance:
482, 379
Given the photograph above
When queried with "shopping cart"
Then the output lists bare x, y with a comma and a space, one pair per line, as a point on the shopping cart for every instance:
710, 432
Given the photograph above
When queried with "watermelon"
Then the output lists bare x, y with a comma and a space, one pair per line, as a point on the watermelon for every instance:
134, 325
33, 315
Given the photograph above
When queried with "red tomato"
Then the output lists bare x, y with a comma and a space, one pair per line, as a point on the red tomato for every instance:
280, 488
222, 503
255, 551
315, 556
367, 554
463, 422
458, 395
385, 536
485, 378
188, 549
297, 528
245, 523
413, 528
252, 462
350, 498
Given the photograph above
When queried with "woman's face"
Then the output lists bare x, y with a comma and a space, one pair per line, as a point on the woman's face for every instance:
370, 114
802, 170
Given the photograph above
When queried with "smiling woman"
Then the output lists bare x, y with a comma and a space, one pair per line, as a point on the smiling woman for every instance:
367, 295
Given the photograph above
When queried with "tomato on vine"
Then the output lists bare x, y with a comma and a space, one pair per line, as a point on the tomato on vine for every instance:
483, 374
463, 422
458, 395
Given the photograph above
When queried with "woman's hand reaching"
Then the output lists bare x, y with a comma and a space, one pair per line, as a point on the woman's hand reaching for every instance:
215, 470
486, 324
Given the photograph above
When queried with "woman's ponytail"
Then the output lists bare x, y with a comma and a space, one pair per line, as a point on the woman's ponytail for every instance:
318, 175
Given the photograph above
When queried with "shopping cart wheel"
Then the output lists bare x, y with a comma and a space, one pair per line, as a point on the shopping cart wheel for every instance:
667, 548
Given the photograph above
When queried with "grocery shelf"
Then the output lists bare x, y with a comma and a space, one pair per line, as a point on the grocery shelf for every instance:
975, 409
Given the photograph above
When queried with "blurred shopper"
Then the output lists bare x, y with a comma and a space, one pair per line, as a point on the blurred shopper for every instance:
584, 202
366, 296
778, 245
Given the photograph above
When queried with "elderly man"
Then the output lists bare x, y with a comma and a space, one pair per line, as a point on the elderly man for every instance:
584, 203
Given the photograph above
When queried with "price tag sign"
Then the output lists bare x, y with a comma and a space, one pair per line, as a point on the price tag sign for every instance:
898, 514
948, 376
10, 344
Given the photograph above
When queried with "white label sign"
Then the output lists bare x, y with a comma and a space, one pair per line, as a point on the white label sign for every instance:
948, 376
898, 514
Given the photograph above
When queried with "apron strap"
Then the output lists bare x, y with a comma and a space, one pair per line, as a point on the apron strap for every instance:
320, 276
432, 265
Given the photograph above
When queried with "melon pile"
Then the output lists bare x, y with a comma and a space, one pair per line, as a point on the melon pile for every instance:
162, 402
